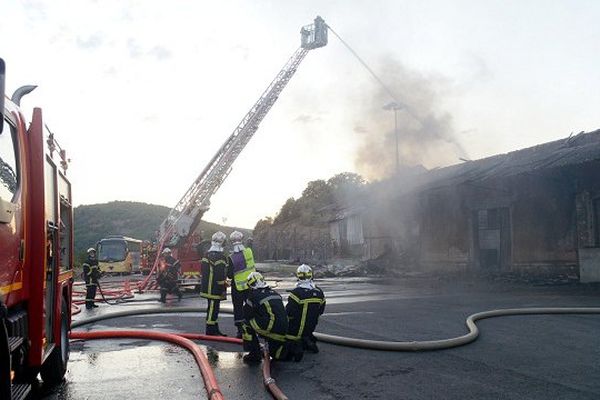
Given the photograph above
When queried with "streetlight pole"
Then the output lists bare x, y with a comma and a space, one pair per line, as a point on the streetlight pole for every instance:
395, 106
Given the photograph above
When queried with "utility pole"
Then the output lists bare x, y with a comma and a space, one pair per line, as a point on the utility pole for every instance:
395, 107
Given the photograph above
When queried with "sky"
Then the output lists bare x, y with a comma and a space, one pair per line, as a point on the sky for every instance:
143, 93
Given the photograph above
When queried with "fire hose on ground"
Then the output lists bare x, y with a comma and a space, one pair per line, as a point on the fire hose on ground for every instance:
378, 344
207, 374
428, 345
210, 382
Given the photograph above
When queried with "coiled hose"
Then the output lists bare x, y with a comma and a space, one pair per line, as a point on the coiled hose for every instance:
426, 345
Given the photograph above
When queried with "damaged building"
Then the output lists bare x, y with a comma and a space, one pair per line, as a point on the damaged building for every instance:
534, 211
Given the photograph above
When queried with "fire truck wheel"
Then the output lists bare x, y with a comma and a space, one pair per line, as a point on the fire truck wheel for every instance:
55, 366
5, 383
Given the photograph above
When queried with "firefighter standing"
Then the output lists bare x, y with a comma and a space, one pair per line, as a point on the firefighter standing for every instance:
305, 305
264, 315
91, 275
213, 288
241, 265
167, 277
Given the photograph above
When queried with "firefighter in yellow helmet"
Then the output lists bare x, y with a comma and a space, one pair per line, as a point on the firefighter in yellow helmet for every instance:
214, 268
305, 305
241, 265
264, 316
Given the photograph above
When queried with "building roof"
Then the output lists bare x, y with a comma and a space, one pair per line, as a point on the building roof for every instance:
574, 150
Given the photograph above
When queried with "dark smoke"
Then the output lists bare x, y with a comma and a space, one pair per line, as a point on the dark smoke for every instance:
425, 131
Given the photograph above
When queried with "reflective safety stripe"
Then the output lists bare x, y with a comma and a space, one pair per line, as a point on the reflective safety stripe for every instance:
303, 319
278, 352
271, 315
211, 296
211, 307
267, 334
306, 301
210, 279
273, 297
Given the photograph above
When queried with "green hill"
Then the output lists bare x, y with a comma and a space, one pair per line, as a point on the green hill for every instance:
138, 220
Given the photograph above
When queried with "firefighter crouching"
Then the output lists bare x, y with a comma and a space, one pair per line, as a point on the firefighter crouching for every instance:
241, 265
214, 268
305, 305
167, 277
264, 315
91, 275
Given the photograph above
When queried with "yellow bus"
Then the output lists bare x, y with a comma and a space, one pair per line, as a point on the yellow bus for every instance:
119, 255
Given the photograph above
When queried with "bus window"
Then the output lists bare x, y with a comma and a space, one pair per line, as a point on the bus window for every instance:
112, 250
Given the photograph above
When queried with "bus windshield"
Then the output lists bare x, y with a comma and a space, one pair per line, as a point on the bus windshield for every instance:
112, 250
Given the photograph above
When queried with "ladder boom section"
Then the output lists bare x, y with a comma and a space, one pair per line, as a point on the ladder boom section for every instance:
185, 216
196, 200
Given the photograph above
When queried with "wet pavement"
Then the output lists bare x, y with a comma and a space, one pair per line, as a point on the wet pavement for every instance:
529, 357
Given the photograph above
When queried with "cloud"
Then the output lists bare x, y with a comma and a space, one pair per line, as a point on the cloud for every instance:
160, 52
91, 42
136, 50
306, 119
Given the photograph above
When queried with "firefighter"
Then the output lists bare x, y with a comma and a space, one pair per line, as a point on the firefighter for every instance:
91, 275
241, 264
305, 305
168, 276
214, 268
264, 316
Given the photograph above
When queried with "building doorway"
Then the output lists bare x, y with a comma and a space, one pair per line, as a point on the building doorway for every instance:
492, 238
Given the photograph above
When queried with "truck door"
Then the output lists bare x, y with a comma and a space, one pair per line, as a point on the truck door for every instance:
50, 278
11, 232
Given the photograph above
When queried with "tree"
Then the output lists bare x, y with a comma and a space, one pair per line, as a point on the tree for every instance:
288, 211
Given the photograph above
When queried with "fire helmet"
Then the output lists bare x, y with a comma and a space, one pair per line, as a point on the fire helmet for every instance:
256, 281
236, 237
219, 237
91, 250
166, 250
304, 272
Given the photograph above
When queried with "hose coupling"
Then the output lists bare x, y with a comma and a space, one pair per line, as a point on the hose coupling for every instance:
269, 381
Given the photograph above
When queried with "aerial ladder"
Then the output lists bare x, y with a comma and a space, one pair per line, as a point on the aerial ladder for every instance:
179, 226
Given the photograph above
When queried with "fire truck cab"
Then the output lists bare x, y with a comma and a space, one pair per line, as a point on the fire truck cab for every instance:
36, 250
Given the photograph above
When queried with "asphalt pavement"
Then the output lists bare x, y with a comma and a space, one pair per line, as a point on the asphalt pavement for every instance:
520, 357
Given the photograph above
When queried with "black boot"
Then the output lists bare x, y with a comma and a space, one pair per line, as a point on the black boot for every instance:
252, 357
219, 331
310, 345
212, 330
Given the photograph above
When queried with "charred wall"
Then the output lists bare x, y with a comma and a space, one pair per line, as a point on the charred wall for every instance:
534, 223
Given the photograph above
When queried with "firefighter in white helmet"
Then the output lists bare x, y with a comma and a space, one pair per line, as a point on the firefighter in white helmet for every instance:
214, 268
265, 316
241, 265
305, 305
91, 275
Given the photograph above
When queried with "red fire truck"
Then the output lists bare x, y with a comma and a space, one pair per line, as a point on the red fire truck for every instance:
36, 250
